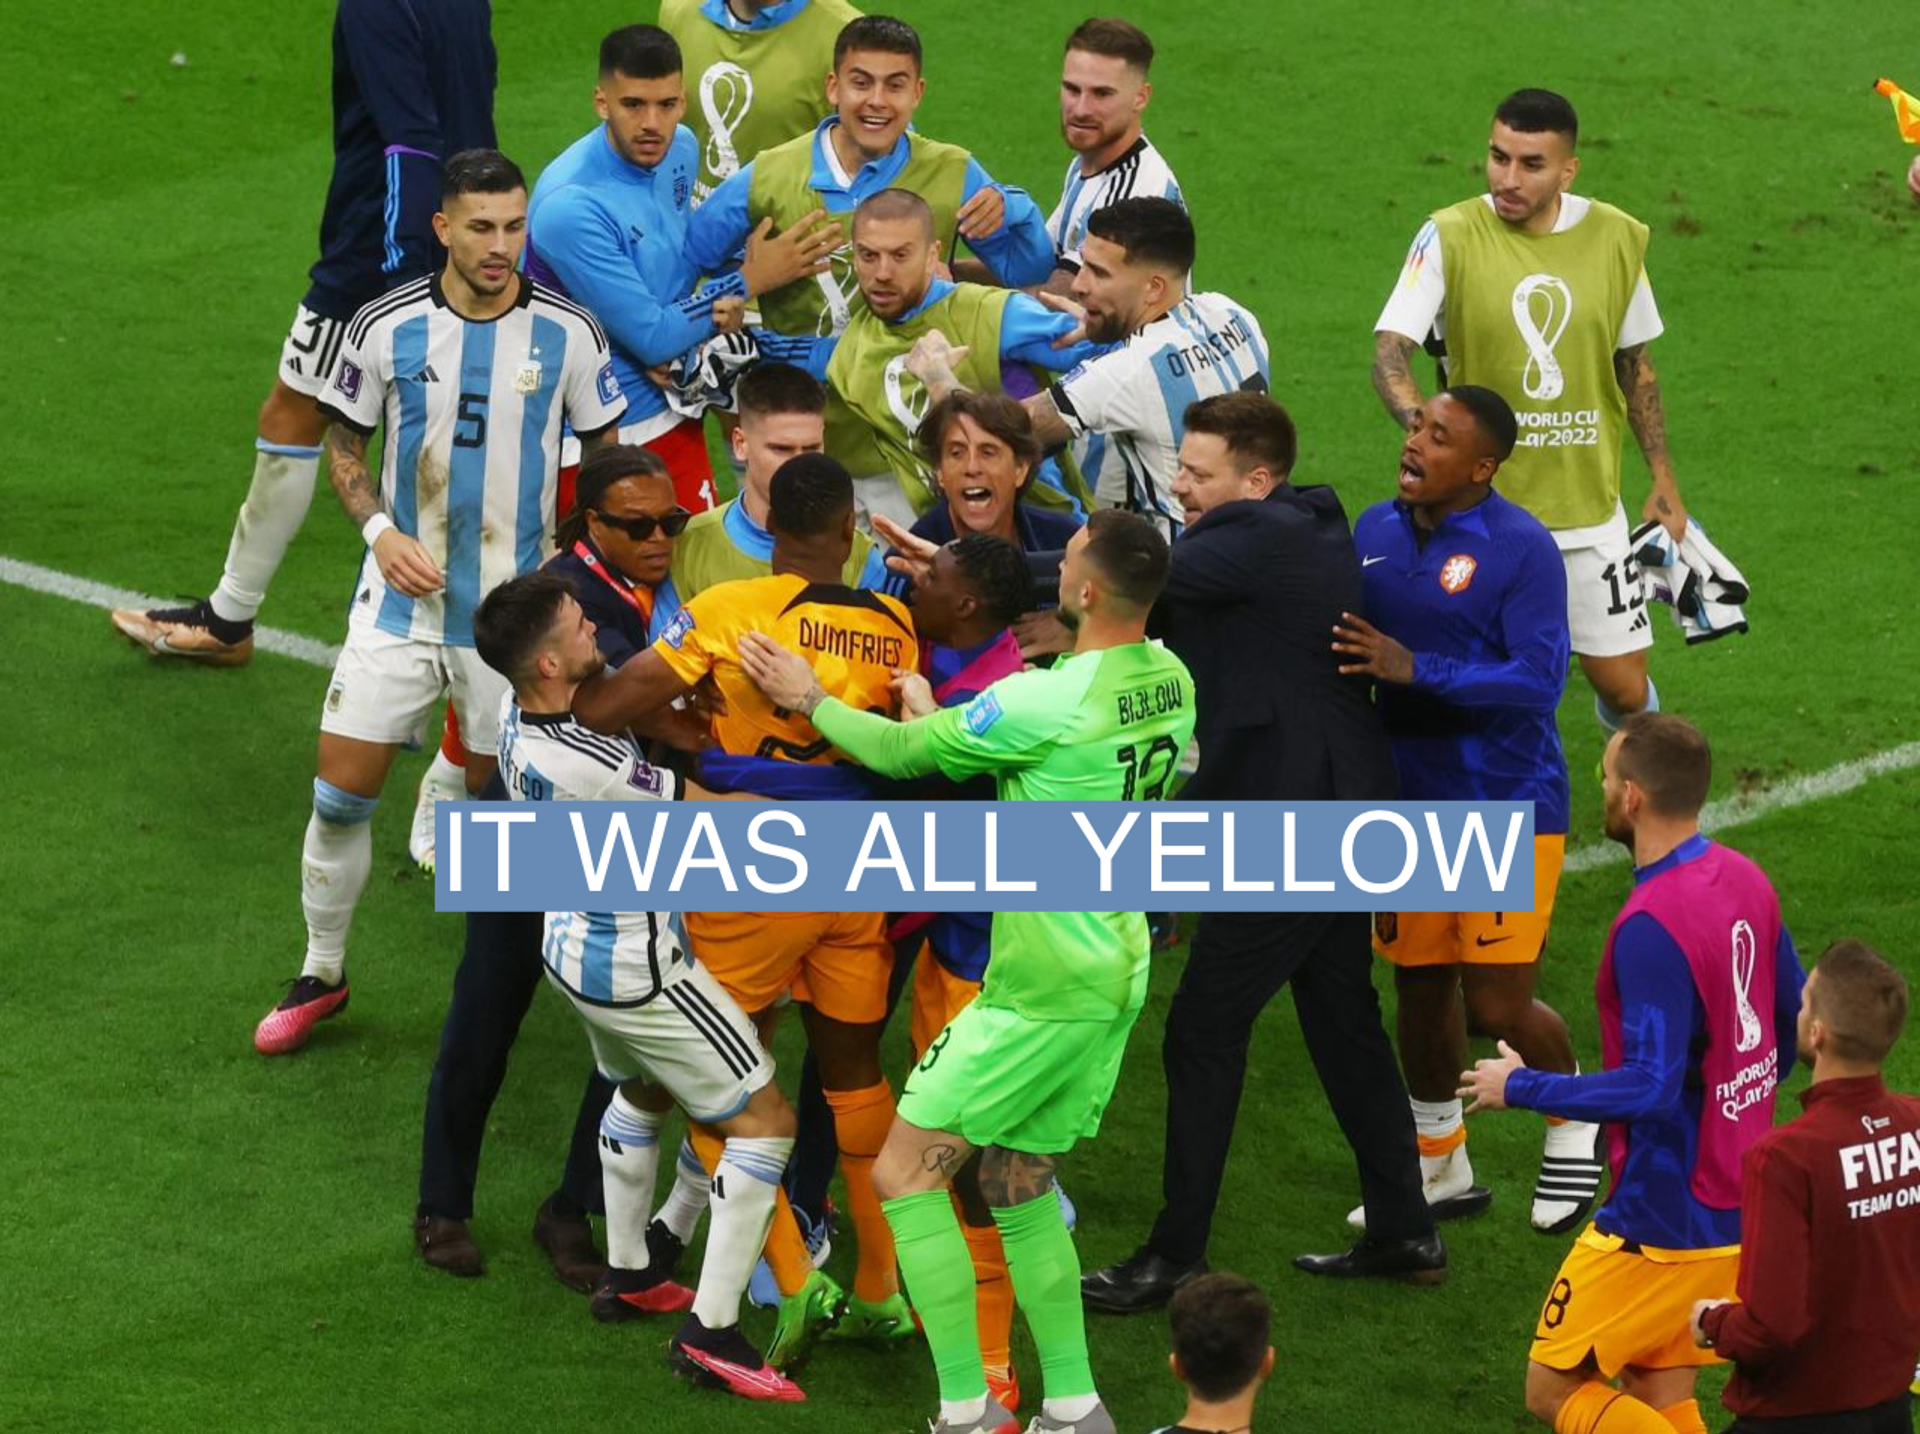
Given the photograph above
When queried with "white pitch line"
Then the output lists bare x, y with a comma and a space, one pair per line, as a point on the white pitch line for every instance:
1715, 816
56, 584
1735, 811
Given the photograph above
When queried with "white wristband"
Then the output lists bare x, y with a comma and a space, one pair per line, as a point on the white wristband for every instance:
371, 530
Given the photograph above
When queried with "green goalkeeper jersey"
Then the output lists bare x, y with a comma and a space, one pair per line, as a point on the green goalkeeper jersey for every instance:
1108, 725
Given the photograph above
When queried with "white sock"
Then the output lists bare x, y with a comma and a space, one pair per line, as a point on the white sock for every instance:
1071, 1409
742, 1197
687, 1201
629, 1161
334, 864
1436, 1119
444, 776
961, 1412
277, 501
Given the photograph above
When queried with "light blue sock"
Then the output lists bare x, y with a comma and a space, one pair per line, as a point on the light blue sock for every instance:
1610, 720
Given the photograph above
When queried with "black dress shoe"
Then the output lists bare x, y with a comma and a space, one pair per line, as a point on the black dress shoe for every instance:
1421, 1262
1144, 1281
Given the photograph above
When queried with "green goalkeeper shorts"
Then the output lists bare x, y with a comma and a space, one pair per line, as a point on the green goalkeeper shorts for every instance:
996, 1077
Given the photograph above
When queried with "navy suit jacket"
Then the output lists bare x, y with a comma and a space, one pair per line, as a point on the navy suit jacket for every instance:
1255, 589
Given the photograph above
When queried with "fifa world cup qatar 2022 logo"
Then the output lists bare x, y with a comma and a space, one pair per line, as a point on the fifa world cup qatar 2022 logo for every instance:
1542, 306
1744, 956
906, 395
726, 94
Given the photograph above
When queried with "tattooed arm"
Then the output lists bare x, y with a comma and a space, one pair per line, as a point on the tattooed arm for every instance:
1393, 376
404, 562
1648, 419
347, 468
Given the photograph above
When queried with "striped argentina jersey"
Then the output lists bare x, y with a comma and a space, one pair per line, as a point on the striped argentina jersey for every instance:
606, 958
472, 412
1140, 173
1127, 408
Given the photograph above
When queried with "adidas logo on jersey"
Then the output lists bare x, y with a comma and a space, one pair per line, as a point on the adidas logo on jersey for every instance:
426, 375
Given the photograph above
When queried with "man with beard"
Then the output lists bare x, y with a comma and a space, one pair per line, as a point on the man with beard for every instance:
470, 372
1698, 994
995, 332
656, 1019
1024, 1072
1125, 410
1104, 90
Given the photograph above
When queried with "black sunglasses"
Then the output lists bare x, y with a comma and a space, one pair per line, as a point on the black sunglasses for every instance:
641, 528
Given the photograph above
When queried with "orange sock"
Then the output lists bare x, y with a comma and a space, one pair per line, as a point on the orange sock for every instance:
786, 1249
1685, 1416
450, 745
992, 1294
861, 1120
1432, 1145
1596, 1408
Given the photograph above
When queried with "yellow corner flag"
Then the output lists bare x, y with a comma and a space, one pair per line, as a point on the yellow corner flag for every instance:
1906, 110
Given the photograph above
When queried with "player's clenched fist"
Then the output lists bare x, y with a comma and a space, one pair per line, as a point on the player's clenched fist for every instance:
914, 694
406, 564
933, 359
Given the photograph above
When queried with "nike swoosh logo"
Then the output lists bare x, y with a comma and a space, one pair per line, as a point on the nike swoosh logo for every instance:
765, 1379
1490, 940
1369, 562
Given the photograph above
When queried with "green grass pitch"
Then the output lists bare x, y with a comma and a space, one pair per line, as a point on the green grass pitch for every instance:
194, 1238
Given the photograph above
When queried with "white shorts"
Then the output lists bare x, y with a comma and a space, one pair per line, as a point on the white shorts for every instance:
313, 343
1606, 605
384, 687
691, 1038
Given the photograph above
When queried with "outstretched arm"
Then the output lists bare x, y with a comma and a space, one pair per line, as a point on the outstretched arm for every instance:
1648, 419
638, 688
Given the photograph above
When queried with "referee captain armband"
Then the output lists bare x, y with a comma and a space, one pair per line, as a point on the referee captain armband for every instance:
371, 530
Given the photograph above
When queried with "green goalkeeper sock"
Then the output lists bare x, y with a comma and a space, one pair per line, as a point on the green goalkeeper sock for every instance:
1046, 1283
938, 1270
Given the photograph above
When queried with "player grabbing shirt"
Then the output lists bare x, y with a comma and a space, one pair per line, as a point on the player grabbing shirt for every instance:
754, 82
653, 1017
1026, 1070
876, 402
1542, 296
471, 373
1466, 635
1124, 409
1697, 993
1103, 93
835, 964
412, 84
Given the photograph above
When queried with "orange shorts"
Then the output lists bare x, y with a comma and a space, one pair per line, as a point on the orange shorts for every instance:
938, 996
1626, 1307
838, 962
1477, 938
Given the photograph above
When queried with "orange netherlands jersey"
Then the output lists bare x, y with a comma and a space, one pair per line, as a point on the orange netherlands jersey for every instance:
855, 639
